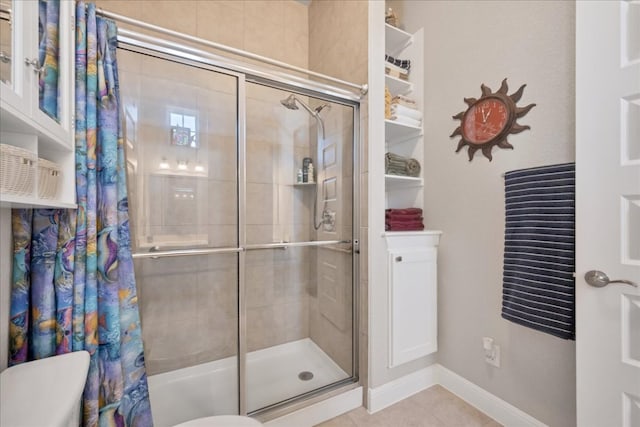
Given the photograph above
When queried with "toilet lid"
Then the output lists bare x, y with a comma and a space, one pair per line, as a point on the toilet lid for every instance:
222, 421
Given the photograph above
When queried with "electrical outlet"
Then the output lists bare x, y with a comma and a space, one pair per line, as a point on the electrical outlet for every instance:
494, 359
491, 351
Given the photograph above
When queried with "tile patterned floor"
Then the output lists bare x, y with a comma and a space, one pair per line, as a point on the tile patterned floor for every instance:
434, 407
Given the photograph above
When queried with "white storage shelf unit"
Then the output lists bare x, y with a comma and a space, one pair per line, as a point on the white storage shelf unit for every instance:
405, 140
22, 123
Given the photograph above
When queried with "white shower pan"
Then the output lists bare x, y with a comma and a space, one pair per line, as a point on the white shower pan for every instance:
211, 388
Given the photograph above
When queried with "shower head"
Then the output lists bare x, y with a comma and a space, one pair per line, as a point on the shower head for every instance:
290, 102
322, 107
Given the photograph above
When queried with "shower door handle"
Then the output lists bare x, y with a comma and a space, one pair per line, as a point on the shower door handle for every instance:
284, 245
155, 252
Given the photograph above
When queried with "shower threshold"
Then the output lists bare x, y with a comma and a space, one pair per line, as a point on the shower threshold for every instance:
211, 388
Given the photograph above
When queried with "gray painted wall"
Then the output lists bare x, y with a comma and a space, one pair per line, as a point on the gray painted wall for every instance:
468, 43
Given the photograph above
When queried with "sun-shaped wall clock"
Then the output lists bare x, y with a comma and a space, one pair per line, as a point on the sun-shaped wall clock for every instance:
490, 120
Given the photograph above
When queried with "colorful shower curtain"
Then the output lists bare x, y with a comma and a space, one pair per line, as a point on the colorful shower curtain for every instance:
73, 283
48, 20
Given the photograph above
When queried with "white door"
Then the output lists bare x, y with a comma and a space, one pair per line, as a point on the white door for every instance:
608, 212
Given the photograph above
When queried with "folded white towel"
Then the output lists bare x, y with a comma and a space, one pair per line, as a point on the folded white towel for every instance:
402, 99
397, 109
406, 120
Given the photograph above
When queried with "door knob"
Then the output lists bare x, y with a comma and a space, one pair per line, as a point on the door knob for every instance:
600, 279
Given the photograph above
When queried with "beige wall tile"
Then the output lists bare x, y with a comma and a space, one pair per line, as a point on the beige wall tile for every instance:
296, 17
263, 37
221, 22
271, 11
338, 38
261, 203
295, 48
364, 199
177, 15
260, 162
130, 8
278, 289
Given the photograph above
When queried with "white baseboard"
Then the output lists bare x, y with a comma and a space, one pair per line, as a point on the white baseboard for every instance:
321, 411
501, 411
397, 390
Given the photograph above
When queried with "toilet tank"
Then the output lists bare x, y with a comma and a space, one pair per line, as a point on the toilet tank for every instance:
45, 392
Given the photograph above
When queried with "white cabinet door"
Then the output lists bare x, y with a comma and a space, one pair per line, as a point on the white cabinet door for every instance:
413, 300
59, 129
20, 89
14, 75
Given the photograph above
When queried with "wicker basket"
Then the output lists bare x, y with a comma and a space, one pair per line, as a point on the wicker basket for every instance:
49, 177
17, 170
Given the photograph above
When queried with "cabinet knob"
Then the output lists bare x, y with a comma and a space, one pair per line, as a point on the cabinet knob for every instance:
33, 63
4, 58
398, 259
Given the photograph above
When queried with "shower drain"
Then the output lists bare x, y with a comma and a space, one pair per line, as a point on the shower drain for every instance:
305, 375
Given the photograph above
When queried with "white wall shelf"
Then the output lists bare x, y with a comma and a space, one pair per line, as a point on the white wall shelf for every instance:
396, 181
13, 201
398, 86
402, 139
396, 40
395, 132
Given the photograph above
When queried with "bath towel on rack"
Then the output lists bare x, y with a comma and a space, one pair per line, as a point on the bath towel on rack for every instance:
539, 250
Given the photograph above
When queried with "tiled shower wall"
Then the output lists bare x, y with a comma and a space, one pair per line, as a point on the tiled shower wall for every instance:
171, 208
282, 302
188, 305
274, 28
338, 47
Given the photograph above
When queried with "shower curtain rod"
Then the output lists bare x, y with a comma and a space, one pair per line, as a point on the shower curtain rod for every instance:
363, 89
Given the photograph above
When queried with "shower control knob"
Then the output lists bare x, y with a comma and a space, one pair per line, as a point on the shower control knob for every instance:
398, 259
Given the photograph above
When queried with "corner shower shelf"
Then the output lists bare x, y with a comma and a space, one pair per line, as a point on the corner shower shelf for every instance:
394, 131
396, 39
397, 86
304, 184
399, 181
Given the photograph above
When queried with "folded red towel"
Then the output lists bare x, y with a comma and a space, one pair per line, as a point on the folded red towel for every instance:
404, 227
413, 217
414, 222
405, 211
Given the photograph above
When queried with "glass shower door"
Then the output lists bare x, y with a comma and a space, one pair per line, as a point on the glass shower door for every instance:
298, 259
181, 146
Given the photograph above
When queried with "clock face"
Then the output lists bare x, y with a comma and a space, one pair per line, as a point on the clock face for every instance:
490, 120
484, 120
